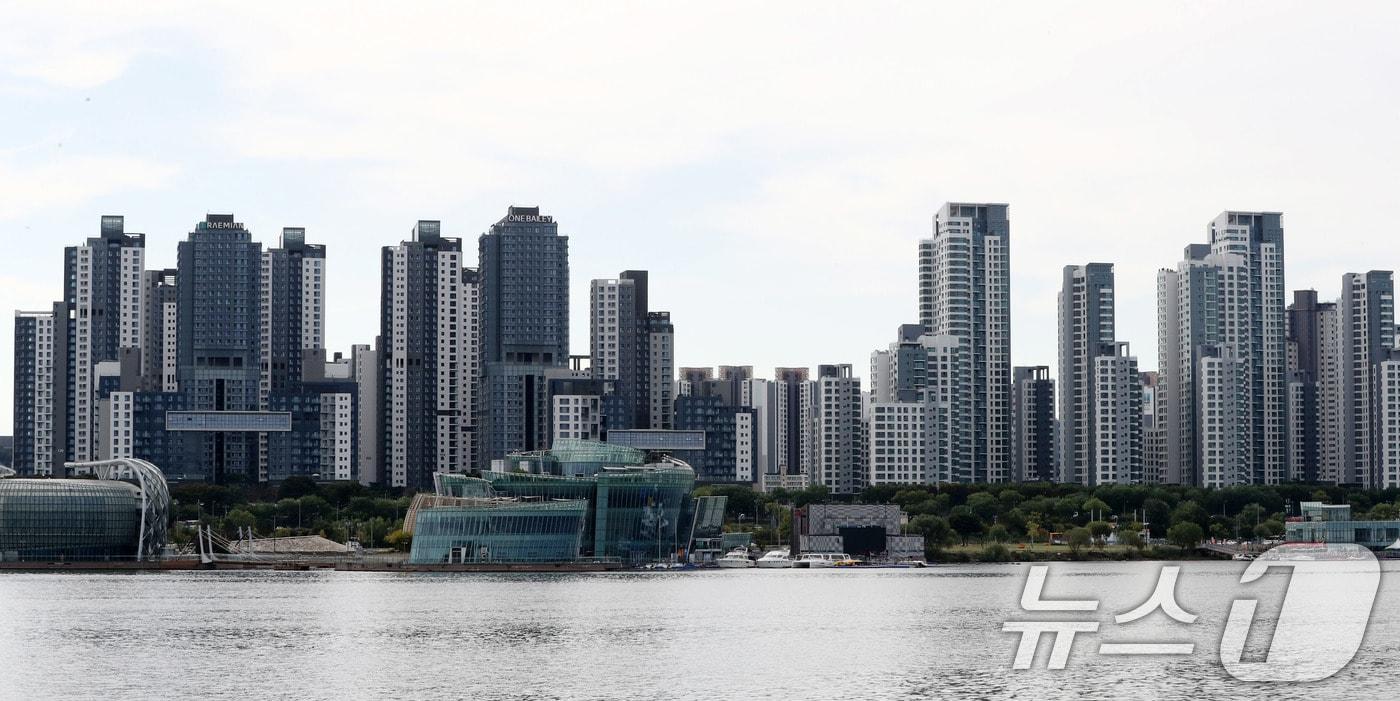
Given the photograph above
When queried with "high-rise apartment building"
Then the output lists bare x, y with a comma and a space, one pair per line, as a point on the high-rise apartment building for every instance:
103, 321
160, 359
293, 310
34, 400
1154, 447
1032, 425
364, 371
426, 357
1086, 329
1366, 312
661, 366
790, 382
1314, 383
730, 453
524, 297
1221, 310
1117, 418
964, 293
838, 431
292, 337
632, 349
218, 345
1387, 466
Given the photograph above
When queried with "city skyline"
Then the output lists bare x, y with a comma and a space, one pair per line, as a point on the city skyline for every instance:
1119, 134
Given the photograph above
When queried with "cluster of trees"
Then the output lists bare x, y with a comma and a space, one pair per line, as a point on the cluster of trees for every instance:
296, 506
1083, 517
989, 514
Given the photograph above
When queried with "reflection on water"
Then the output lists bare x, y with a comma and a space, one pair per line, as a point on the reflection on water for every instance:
754, 634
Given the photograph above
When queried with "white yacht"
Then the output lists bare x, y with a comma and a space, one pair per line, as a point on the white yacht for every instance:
814, 560
775, 559
738, 558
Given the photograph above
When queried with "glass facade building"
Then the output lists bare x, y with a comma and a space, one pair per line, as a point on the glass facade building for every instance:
71, 519
1332, 523
630, 510
499, 530
575, 458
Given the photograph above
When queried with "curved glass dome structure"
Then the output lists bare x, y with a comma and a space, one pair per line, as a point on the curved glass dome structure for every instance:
86, 519
69, 519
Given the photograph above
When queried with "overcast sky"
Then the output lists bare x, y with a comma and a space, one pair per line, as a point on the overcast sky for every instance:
773, 166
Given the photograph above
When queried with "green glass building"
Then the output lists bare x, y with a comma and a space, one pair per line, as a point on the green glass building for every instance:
499, 530
86, 519
630, 509
574, 457
633, 509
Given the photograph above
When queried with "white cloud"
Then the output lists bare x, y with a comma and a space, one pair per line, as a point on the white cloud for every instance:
71, 182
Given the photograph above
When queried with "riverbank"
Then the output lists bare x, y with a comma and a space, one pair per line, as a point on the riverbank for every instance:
1040, 552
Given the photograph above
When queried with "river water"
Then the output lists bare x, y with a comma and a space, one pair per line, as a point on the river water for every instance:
751, 634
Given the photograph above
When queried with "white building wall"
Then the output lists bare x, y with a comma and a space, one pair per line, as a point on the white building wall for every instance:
897, 443
44, 400
605, 328
397, 362
838, 429
1117, 416
662, 379
577, 416
744, 451
313, 302
1388, 389
338, 436
453, 441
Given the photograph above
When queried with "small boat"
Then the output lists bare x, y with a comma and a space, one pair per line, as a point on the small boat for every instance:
1242, 556
775, 559
738, 558
911, 562
847, 561
815, 560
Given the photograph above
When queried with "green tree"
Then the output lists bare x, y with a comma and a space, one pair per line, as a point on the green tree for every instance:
1157, 514
296, 487
1384, 511
1185, 535
1034, 529
815, 494
239, 518
399, 540
1010, 499
1078, 538
1066, 508
1094, 509
1099, 530
996, 552
1192, 512
964, 522
984, 505
935, 530
1252, 514
998, 533
1132, 539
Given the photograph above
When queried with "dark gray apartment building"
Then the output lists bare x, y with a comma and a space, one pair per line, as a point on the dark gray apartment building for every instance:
219, 347
524, 298
1032, 424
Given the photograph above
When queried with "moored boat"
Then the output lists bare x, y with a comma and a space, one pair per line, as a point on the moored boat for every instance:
775, 559
738, 558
